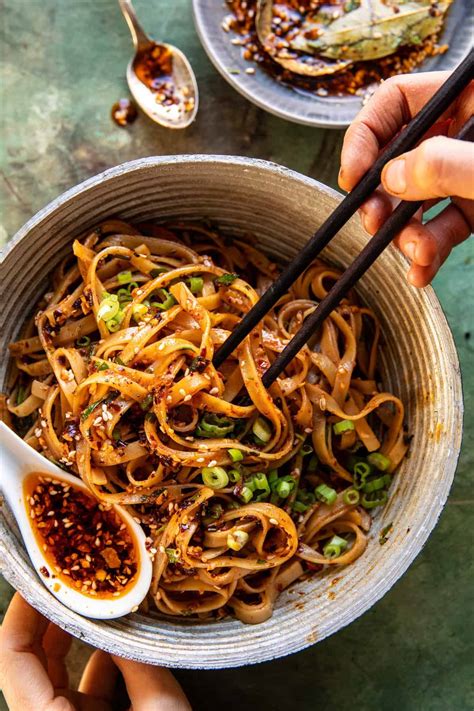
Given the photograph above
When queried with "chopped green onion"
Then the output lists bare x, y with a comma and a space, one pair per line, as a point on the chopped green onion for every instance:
325, 494
133, 285
108, 309
334, 548
213, 426
103, 366
262, 430
283, 488
376, 484
361, 471
156, 272
139, 310
273, 476
124, 277
313, 463
226, 279
116, 434
351, 497
343, 426
196, 284
299, 507
234, 476
237, 540
124, 295
83, 342
261, 482
215, 477
373, 499
85, 413
246, 494
235, 454
167, 303
146, 402
379, 461
306, 449
173, 554
113, 324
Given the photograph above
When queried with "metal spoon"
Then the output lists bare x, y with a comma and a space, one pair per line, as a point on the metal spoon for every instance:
18, 461
183, 85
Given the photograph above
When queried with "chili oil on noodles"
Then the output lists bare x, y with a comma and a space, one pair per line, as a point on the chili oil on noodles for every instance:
114, 381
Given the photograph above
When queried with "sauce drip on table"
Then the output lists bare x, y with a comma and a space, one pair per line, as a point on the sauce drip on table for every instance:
124, 112
86, 544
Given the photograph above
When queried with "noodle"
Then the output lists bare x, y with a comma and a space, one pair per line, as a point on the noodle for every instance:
115, 382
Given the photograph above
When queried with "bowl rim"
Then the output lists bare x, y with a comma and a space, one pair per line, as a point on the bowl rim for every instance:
103, 637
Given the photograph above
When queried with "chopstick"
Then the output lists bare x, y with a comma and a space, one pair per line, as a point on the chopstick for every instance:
382, 238
406, 140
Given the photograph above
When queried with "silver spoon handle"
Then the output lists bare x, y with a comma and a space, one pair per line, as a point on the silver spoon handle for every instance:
140, 39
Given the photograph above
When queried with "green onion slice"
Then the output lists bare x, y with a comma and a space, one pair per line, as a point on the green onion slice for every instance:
283, 488
83, 342
234, 476
215, 477
235, 454
343, 426
351, 497
379, 461
214, 426
108, 309
361, 471
334, 548
374, 498
376, 484
325, 494
306, 449
124, 277
246, 494
196, 284
262, 430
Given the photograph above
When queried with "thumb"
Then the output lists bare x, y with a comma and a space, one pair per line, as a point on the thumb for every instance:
438, 167
151, 688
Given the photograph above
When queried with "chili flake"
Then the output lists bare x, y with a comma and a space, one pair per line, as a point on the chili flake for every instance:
85, 543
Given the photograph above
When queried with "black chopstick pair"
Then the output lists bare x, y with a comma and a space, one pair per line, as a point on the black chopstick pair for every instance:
406, 140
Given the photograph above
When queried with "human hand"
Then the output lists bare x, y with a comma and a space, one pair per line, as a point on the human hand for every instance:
33, 673
439, 167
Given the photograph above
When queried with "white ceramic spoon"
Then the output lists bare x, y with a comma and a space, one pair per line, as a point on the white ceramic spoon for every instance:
17, 461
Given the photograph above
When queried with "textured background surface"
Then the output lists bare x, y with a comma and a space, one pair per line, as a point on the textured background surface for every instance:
63, 66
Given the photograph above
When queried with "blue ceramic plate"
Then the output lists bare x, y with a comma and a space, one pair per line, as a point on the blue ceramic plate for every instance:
328, 112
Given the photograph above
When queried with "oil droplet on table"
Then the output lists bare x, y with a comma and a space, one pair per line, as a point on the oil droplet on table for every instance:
124, 112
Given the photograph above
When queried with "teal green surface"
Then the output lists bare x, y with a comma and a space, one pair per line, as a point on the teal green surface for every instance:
63, 66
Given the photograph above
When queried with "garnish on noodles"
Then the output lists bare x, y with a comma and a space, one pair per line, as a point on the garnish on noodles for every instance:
114, 381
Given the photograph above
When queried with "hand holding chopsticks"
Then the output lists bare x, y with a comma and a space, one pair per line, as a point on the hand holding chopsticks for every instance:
406, 140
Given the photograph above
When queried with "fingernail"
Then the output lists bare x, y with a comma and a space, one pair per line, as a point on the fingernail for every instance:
410, 250
395, 177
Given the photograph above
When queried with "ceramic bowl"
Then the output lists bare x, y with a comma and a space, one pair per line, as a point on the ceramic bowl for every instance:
301, 106
419, 363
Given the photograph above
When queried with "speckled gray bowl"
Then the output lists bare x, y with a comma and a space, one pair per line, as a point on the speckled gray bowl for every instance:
419, 362
301, 106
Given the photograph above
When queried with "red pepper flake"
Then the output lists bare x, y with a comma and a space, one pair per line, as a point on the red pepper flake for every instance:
86, 542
